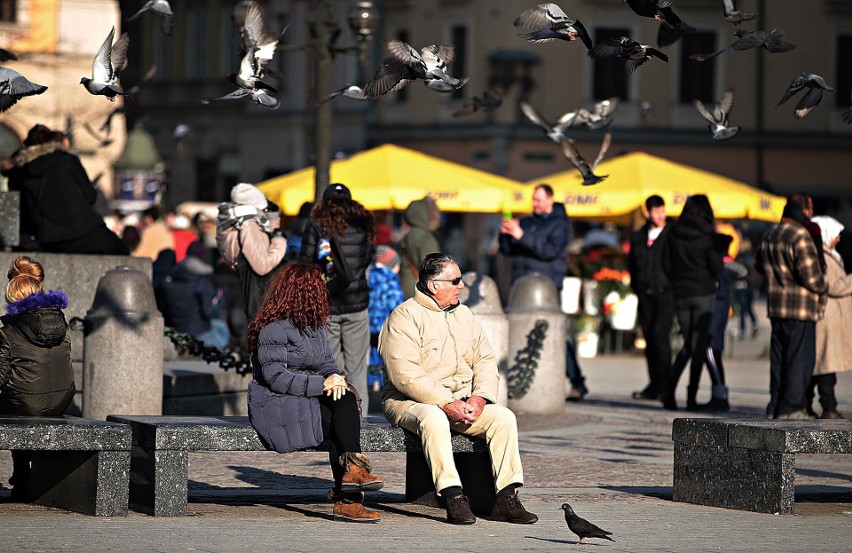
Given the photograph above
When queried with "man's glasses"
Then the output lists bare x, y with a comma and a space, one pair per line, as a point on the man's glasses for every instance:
453, 281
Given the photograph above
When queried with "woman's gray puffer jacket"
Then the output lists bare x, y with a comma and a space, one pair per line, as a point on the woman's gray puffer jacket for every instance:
289, 370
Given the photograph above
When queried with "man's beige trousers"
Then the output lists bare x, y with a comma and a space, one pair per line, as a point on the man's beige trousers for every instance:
497, 425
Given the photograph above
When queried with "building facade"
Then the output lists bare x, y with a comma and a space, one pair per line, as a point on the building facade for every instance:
232, 141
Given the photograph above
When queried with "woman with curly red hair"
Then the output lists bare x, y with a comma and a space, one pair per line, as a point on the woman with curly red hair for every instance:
298, 398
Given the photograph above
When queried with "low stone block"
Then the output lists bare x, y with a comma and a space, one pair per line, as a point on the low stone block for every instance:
706, 432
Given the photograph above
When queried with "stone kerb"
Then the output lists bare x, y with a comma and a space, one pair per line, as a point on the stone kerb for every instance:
77, 275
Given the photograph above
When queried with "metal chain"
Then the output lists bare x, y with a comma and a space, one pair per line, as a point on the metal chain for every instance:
520, 376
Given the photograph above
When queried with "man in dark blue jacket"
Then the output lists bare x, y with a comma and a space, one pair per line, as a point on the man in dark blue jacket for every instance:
539, 244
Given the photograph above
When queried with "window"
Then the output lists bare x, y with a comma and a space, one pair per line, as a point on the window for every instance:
697, 78
196, 40
163, 53
608, 73
843, 79
402, 95
8, 11
458, 69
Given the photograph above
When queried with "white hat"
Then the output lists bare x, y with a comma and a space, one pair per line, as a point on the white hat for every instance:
248, 194
180, 222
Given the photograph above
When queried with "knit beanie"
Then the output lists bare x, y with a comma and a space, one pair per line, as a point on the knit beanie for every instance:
248, 194
387, 256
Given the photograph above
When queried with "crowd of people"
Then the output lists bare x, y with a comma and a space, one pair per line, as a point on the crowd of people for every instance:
335, 306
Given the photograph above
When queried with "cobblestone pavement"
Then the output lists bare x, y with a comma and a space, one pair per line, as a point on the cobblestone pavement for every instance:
609, 456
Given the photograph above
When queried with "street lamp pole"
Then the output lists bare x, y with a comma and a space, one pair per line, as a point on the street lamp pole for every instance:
363, 22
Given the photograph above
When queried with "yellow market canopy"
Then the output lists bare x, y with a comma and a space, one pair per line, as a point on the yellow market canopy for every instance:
390, 177
634, 177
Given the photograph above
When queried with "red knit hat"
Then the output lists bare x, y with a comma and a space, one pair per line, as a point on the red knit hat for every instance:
387, 256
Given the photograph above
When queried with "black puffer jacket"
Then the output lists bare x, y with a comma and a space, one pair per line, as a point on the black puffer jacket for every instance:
695, 261
36, 376
358, 252
56, 194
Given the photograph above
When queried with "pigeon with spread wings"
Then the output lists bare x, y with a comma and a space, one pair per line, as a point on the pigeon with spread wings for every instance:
627, 49
809, 101
746, 40
489, 101
110, 60
718, 118
162, 9
14, 86
658, 10
550, 22
569, 148
556, 132
407, 64
248, 17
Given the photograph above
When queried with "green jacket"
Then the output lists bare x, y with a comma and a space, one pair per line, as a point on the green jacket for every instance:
416, 244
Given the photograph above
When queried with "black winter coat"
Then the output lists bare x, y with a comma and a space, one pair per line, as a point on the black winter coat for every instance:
543, 248
358, 252
289, 371
36, 376
695, 261
56, 194
649, 266
187, 299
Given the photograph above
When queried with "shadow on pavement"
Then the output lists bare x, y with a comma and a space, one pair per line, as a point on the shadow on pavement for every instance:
659, 492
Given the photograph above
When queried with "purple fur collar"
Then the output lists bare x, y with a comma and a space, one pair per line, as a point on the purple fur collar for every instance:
51, 298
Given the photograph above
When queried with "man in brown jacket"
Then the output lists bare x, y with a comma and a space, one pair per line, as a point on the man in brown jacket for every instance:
788, 259
442, 376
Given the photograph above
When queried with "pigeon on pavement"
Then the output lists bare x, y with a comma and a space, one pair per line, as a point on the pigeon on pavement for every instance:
161, 8
746, 40
655, 9
718, 119
14, 86
550, 22
582, 527
569, 148
110, 60
489, 101
622, 47
733, 15
809, 101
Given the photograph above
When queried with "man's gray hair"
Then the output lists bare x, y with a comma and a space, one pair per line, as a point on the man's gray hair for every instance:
431, 267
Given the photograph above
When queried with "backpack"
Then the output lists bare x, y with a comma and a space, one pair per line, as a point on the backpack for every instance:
336, 272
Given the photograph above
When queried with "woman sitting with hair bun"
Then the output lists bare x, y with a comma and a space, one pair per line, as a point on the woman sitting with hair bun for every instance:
36, 376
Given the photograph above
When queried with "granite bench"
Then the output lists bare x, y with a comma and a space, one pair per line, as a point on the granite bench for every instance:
161, 444
748, 464
77, 464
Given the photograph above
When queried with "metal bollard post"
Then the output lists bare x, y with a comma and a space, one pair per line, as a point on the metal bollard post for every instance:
533, 299
123, 348
482, 297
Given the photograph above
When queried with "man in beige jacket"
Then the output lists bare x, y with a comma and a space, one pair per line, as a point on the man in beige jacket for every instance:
442, 376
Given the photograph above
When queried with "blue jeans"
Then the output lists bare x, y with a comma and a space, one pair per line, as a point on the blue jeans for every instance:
216, 336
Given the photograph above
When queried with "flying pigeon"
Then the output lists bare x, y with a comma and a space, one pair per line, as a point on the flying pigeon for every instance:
622, 47
556, 132
583, 527
655, 9
248, 77
752, 39
809, 101
110, 60
668, 35
161, 8
599, 117
248, 17
406, 64
106, 128
550, 23
14, 86
349, 91
718, 119
569, 148
733, 15
259, 96
489, 101
7, 55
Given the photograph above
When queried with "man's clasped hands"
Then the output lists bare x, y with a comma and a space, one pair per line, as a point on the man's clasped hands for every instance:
465, 411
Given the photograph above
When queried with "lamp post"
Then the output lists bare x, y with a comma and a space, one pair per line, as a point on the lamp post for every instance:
363, 22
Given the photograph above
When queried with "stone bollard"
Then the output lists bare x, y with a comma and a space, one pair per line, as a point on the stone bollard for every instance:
480, 294
533, 299
123, 348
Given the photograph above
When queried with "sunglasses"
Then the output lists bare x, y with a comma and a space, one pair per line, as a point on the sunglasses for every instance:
453, 281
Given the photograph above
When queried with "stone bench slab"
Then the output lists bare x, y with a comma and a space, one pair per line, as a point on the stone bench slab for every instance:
748, 464
160, 462
77, 464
